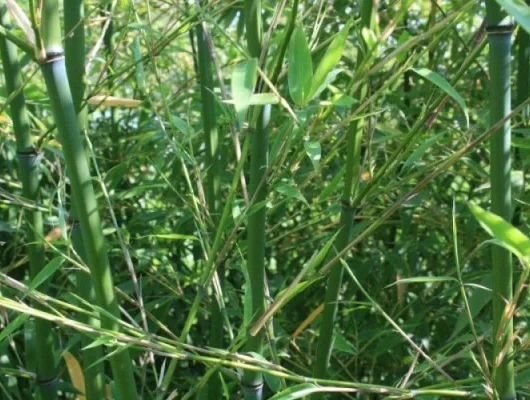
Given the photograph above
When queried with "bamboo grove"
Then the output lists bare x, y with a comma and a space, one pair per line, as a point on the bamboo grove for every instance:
264, 200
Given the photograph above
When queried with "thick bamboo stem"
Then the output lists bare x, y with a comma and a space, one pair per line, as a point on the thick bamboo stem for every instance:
252, 382
93, 367
83, 196
499, 37
213, 166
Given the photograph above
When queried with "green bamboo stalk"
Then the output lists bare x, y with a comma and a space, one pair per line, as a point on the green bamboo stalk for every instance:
499, 37
29, 172
213, 166
83, 196
351, 180
252, 381
74, 48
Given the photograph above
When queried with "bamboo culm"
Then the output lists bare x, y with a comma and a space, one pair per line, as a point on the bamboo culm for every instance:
93, 367
212, 181
499, 38
84, 200
46, 374
252, 381
351, 179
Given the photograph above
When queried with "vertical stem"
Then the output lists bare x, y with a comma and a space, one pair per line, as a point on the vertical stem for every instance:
351, 180
252, 382
84, 199
499, 37
75, 68
212, 181
29, 173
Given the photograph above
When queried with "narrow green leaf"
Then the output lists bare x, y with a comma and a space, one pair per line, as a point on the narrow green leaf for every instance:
306, 389
13, 326
173, 236
331, 58
424, 279
478, 299
440, 81
243, 82
402, 55
46, 272
416, 154
314, 152
519, 10
511, 237
289, 191
300, 72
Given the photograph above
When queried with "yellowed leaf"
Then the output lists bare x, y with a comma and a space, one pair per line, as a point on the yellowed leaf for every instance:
112, 101
316, 312
76, 374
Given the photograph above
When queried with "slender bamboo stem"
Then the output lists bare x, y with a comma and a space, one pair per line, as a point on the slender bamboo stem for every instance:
213, 166
499, 37
29, 173
252, 381
75, 68
84, 199
351, 180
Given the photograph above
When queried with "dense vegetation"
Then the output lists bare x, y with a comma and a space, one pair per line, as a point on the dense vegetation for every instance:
264, 199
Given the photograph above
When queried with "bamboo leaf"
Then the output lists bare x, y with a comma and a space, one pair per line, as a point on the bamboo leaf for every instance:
424, 279
173, 236
508, 235
330, 60
46, 272
289, 191
477, 301
305, 389
13, 326
113, 101
300, 72
76, 374
519, 10
243, 82
314, 152
416, 154
440, 81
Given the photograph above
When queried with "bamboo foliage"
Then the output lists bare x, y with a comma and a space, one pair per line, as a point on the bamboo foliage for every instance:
499, 37
29, 158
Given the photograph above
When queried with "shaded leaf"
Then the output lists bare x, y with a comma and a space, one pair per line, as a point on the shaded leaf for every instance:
439, 81
300, 72
289, 191
243, 82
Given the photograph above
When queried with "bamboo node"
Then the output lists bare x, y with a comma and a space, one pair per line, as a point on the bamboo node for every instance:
52, 56
501, 29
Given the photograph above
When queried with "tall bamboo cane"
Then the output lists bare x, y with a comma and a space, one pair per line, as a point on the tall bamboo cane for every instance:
212, 179
499, 37
84, 199
252, 382
74, 49
29, 173
351, 180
